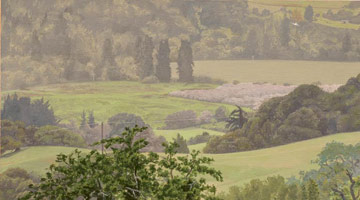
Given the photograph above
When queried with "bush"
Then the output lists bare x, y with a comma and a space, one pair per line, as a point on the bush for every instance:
14, 183
119, 122
220, 114
181, 144
182, 119
206, 79
205, 117
52, 135
204, 137
150, 80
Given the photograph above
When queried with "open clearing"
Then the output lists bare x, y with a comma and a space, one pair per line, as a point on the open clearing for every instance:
237, 168
243, 94
150, 101
276, 71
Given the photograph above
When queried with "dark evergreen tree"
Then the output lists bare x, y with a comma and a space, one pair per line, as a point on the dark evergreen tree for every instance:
63, 40
37, 113
346, 43
83, 119
107, 54
285, 32
182, 146
143, 58
236, 119
163, 70
185, 62
91, 120
309, 13
36, 47
251, 46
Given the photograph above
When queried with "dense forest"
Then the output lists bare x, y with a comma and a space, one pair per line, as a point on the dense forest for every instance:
56, 41
305, 113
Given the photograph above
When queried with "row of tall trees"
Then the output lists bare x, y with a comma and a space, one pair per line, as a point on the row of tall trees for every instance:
162, 70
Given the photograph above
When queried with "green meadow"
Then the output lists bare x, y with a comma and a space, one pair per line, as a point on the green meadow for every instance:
150, 101
237, 168
277, 71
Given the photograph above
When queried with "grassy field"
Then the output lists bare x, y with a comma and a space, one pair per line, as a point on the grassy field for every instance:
237, 168
277, 71
150, 101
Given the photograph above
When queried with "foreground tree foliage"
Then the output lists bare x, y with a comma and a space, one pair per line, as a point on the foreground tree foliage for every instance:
126, 173
338, 175
273, 187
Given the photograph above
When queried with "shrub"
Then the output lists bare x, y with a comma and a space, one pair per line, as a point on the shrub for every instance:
52, 135
205, 117
204, 137
14, 183
220, 114
206, 79
119, 122
150, 80
181, 143
182, 119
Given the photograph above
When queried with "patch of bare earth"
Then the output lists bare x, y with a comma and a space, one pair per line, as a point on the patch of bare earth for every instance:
250, 95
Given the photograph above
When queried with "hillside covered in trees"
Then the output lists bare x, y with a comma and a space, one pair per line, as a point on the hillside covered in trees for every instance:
56, 41
305, 113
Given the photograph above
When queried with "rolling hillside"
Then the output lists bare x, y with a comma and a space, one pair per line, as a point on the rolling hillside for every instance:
237, 168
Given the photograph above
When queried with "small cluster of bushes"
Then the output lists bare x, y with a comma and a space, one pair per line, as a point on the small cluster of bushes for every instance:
204, 137
189, 118
16, 135
305, 113
121, 121
14, 183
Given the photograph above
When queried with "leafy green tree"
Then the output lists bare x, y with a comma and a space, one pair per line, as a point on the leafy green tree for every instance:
304, 194
126, 173
163, 70
182, 146
339, 165
285, 32
309, 13
313, 191
185, 62
236, 119
91, 120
